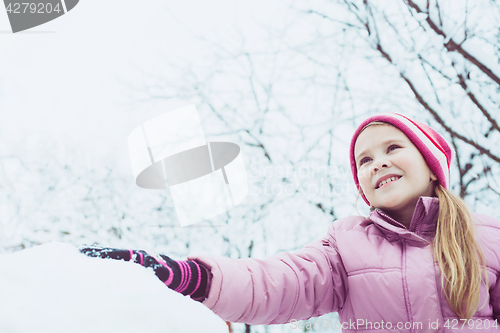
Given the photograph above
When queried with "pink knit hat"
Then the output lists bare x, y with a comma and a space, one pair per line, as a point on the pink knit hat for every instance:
436, 151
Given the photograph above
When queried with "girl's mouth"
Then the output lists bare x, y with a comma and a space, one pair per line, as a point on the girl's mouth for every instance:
388, 181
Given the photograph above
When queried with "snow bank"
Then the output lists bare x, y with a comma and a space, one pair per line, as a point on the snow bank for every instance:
54, 288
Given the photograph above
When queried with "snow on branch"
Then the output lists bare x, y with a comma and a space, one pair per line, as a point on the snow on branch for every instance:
471, 53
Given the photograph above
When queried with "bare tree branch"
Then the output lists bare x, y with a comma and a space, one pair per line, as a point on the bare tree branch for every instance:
451, 45
463, 84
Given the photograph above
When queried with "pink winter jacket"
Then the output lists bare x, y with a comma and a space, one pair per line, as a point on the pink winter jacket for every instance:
378, 275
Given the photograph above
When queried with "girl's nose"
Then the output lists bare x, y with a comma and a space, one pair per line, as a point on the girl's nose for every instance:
381, 164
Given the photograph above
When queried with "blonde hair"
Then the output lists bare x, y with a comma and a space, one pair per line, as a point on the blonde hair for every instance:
456, 251
458, 254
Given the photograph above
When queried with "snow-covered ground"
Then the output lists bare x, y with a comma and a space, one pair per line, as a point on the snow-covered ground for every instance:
54, 288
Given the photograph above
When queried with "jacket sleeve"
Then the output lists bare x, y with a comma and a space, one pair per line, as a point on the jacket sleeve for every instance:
299, 285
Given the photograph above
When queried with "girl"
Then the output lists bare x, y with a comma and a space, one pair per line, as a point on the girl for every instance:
421, 262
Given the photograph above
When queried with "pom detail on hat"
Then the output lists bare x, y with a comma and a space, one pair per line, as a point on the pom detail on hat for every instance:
435, 149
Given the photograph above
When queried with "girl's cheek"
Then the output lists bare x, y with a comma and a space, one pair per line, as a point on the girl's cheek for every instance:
363, 173
364, 181
405, 164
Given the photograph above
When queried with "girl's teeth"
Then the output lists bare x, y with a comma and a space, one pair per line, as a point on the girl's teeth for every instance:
387, 180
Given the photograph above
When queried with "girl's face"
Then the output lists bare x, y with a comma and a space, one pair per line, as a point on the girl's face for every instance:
392, 172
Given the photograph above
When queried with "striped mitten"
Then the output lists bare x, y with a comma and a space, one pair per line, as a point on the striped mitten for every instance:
186, 277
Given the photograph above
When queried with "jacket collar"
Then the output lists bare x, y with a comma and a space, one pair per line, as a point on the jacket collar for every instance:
422, 226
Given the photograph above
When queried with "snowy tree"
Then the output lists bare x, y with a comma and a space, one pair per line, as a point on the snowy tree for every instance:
445, 56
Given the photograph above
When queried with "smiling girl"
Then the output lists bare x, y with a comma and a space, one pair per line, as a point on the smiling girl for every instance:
420, 262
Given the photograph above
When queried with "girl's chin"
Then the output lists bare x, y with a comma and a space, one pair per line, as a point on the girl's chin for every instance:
390, 202
396, 205
391, 205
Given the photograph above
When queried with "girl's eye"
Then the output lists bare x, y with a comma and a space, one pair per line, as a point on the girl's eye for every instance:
392, 147
389, 149
364, 160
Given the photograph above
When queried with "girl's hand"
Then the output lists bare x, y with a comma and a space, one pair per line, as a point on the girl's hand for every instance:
185, 277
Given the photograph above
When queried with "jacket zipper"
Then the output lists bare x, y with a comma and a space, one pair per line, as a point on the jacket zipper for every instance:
405, 285
406, 293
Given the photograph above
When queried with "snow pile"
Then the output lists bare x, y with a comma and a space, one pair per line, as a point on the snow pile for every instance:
54, 288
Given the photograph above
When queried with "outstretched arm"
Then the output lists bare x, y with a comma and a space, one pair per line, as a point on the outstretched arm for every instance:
299, 285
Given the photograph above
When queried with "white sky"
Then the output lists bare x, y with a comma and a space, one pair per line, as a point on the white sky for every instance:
63, 79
